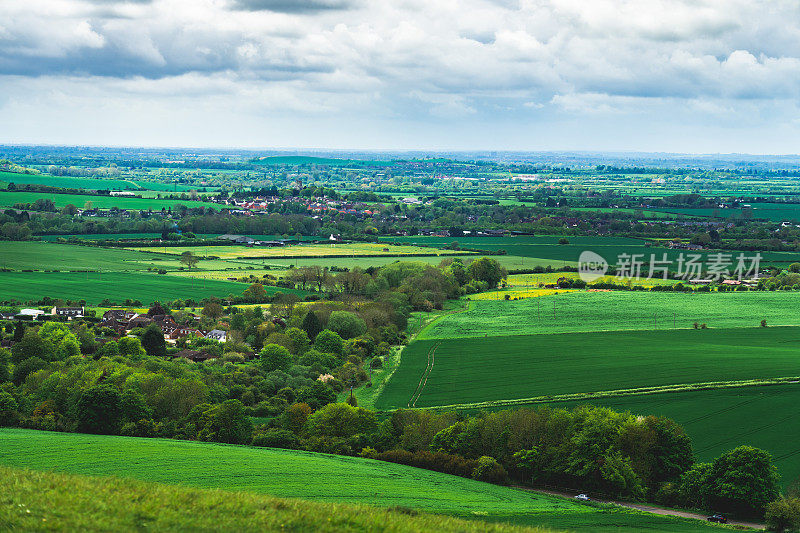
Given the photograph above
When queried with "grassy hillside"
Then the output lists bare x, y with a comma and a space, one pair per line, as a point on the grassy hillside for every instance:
525, 366
318, 477
609, 311
40, 501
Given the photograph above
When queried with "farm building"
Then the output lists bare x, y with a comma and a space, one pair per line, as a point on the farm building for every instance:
33, 313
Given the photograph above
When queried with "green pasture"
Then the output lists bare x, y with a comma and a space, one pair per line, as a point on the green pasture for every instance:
315, 477
618, 310
718, 420
472, 370
8, 199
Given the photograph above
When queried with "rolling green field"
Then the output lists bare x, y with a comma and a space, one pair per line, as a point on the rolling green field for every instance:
76, 272
94, 287
526, 366
547, 248
721, 419
67, 182
51, 256
311, 476
8, 199
46, 501
618, 310
70, 182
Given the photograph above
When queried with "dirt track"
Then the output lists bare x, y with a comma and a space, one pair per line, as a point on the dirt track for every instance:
648, 508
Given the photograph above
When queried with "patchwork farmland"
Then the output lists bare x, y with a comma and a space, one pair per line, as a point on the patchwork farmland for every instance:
628, 350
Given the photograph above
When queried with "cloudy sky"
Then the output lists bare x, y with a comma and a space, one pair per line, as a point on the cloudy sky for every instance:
689, 76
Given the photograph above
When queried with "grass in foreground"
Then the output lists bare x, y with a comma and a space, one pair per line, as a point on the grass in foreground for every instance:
525, 366
39, 501
283, 473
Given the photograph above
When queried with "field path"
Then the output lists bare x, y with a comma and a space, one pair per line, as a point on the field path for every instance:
424, 379
649, 508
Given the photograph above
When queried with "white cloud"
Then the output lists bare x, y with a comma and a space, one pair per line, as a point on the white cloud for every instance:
491, 61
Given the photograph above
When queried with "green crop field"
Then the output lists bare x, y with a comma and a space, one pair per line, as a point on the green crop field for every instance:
618, 310
311, 476
721, 419
526, 366
8, 199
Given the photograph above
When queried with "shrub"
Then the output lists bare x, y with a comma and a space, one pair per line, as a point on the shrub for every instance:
783, 515
277, 438
489, 470
8, 410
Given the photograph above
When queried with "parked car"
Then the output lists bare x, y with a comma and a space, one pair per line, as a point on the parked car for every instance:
718, 518
582, 497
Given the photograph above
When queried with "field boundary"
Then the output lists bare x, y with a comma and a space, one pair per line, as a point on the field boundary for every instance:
641, 391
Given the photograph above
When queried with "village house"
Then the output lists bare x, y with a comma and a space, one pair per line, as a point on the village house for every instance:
68, 312
217, 335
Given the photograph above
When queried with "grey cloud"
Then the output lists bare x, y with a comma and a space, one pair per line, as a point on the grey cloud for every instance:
293, 6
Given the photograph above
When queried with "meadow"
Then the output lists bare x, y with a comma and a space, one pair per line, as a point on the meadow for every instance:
8, 199
721, 419
529, 366
311, 476
618, 310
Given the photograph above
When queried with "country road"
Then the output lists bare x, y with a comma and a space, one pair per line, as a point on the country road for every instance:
648, 508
